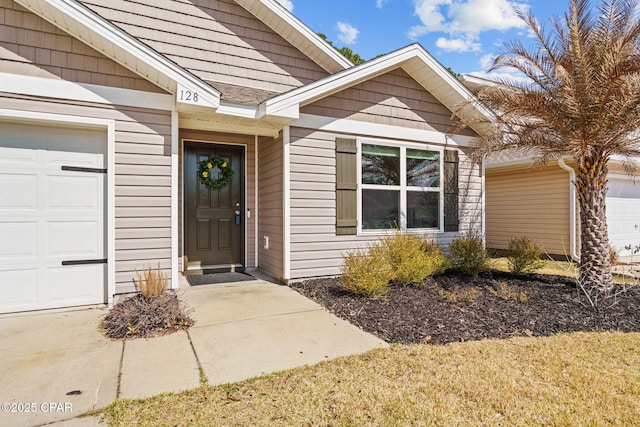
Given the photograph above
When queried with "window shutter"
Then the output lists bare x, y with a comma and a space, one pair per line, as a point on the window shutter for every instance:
346, 186
450, 190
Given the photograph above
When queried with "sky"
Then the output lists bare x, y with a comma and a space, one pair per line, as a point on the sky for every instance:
464, 35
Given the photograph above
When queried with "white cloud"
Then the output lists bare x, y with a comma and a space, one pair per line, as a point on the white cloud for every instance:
458, 45
486, 61
380, 3
512, 78
347, 33
465, 20
287, 4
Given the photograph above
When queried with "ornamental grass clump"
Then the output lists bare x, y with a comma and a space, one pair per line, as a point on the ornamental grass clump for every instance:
151, 312
367, 271
151, 283
524, 255
468, 254
412, 259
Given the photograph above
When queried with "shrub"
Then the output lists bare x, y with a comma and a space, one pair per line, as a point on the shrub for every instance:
506, 292
468, 254
151, 283
524, 255
459, 295
412, 258
367, 271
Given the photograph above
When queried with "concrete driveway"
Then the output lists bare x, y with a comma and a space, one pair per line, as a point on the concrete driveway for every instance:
56, 365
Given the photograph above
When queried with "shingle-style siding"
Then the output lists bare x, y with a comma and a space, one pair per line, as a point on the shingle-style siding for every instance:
217, 40
270, 205
528, 201
142, 180
247, 141
316, 250
31, 46
394, 98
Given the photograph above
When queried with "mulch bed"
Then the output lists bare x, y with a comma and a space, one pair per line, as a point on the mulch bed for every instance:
423, 315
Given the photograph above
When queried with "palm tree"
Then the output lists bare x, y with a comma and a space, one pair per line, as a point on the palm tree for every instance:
581, 100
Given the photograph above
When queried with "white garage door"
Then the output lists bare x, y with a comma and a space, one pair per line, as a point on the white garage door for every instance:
623, 214
52, 217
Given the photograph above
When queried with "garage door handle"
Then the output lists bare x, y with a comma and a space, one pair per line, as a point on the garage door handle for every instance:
85, 261
82, 169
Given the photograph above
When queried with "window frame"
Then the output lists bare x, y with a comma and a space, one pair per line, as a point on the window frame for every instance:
403, 188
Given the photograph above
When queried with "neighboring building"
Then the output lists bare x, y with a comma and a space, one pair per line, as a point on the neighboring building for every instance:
107, 108
539, 201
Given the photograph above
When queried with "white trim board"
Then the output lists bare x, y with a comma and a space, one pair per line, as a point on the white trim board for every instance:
354, 127
62, 89
175, 197
89, 122
286, 203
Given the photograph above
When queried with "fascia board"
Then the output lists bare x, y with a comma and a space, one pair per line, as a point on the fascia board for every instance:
306, 94
284, 104
79, 17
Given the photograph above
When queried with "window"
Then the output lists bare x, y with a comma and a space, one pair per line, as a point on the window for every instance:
400, 187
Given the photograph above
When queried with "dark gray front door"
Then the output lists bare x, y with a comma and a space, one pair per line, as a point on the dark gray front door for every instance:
214, 219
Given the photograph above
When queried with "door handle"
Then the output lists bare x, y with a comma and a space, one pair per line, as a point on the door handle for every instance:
237, 215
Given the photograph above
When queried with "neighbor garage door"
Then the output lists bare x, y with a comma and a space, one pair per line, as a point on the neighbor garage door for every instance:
52, 216
623, 213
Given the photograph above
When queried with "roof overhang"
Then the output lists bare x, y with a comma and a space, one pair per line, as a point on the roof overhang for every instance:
416, 61
191, 93
279, 19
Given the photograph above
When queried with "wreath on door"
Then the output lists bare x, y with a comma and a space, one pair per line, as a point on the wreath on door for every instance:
204, 172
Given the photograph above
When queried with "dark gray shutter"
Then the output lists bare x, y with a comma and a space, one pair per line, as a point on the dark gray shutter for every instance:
450, 190
346, 186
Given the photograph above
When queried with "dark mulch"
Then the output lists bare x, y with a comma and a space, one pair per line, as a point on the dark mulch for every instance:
424, 315
138, 316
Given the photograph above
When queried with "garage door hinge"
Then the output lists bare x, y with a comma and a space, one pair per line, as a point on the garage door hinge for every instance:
85, 261
82, 169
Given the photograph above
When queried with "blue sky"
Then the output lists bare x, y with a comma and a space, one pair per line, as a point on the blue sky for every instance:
462, 34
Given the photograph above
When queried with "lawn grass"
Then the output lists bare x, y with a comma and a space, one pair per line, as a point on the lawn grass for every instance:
557, 268
588, 379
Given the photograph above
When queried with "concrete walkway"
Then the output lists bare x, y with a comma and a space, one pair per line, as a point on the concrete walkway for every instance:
55, 366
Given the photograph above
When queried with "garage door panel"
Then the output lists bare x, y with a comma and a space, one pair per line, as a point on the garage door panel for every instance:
73, 158
68, 284
12, 157
82, 239
18, 289
20, 239
19, 191
74, 192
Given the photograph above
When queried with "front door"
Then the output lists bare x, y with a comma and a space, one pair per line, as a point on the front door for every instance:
214, 220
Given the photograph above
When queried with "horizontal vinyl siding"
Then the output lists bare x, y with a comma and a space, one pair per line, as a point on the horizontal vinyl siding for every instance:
529, 202
250, 169
270, 205
31, 46
316, 250
217, 40
142, 179
394, 98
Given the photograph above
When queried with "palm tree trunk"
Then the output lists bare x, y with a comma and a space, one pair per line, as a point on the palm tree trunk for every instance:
595, 261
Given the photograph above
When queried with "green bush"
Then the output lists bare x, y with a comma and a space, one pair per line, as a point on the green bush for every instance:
468, 254
412, 259
367, 271
524, 255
